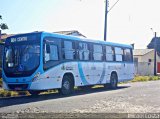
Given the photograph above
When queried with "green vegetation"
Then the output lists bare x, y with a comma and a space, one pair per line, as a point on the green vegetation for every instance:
3, 26
49, 92
145, 78
4, 93
0, 82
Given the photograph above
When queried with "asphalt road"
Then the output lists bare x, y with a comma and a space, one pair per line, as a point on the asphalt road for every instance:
140, 97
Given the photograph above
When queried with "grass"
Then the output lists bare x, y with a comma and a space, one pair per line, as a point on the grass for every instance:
5, 93
49, 92
145, 78
0, 82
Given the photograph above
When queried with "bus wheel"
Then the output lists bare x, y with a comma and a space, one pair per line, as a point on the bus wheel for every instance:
113, 81
67, 85
34, 92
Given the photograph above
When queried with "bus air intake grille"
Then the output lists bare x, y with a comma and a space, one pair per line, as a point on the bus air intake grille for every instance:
18, 86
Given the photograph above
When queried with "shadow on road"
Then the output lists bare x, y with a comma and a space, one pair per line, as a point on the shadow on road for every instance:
29, 99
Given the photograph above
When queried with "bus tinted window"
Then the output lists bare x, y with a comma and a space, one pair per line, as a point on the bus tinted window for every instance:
97, 53
83, 51
109, 53
127, 55
68, 50
119, 54
50, 54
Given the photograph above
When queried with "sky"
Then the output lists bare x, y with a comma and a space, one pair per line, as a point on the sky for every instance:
130, 21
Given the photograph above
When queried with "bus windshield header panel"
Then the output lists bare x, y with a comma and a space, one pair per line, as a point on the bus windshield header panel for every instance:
20, 39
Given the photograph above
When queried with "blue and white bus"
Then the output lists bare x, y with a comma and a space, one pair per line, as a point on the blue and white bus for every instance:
41, 61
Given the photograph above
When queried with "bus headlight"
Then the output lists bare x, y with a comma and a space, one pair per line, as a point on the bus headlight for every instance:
35, 78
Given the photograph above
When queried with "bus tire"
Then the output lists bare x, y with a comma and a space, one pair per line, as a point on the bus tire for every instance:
67, 85
113, 81
34, 92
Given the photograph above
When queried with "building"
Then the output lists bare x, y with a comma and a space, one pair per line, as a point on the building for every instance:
4, 36
144, 61
72, 32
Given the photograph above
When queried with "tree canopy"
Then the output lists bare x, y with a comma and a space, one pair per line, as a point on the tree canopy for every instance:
155, 44
3, 26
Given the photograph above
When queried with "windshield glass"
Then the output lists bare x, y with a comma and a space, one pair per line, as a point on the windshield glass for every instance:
20, 59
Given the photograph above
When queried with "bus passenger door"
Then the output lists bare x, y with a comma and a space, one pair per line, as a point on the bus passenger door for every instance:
129, 66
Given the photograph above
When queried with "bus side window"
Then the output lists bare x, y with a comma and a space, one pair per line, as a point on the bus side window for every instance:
68, 50
109, 53
119, 54
83, 50
128, 55
97, 53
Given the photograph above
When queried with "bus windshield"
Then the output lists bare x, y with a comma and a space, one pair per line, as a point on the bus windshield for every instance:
21, 59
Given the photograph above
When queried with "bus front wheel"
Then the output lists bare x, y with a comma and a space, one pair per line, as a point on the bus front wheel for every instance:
67, 85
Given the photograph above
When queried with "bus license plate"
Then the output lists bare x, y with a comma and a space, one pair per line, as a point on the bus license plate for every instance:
18, 88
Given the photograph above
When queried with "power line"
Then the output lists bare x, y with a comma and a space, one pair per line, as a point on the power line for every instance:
113, 6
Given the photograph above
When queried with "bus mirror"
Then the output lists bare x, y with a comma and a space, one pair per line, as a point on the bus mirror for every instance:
48, 48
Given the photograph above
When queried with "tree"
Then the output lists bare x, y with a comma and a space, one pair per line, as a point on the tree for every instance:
3, 26
155, 44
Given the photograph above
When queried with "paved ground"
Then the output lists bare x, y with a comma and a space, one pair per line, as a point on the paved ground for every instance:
140, 97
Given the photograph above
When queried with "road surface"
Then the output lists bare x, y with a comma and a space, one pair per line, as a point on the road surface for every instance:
139, 97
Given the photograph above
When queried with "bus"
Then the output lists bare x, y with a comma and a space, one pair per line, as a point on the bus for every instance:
1, 52
40, 61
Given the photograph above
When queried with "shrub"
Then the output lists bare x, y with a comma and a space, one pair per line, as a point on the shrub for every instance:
145, 78
4, 93
0, 82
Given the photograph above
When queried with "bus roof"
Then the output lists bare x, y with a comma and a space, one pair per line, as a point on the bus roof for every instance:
86, 39
73, 38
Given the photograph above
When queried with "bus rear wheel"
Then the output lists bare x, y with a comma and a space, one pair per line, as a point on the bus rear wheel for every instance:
67, 85
34, 92
113, 81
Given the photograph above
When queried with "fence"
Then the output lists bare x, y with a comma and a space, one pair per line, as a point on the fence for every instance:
144, 68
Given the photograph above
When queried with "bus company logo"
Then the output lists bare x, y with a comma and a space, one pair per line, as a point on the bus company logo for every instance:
69, 68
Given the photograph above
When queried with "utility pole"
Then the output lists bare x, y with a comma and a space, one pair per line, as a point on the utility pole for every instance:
155, 54
105, 21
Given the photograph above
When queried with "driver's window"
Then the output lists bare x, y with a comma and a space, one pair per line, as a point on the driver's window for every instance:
50, 53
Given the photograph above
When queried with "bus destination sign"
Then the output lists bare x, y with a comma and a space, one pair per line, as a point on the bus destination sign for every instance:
18, 39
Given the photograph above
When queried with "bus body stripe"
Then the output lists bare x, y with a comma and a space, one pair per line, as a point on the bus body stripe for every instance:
82, 76
103, 74
85, 82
